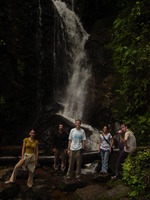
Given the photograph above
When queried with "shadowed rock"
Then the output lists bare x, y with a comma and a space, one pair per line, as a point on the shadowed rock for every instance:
96, 192
9, 191
71, 185
38, 192
101, 178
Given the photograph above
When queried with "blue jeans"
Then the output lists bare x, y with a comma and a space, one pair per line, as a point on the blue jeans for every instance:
104, 158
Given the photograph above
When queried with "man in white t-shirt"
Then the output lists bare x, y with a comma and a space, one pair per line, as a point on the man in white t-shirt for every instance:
76, 146
129, 141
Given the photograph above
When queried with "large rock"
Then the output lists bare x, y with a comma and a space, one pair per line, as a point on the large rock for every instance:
101, 178
91, 192
71, 185
2, 174
36, 193
97, 192
9, 191
117, 192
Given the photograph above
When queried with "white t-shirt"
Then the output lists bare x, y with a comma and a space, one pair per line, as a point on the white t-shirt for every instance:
104, 145
131, 141
76, 136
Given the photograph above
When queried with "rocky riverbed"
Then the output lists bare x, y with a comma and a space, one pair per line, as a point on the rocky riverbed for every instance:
50, 184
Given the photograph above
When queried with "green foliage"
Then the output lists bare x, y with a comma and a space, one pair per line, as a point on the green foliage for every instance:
130, 48
136, 174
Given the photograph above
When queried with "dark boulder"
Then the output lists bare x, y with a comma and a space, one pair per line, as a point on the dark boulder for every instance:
9, 191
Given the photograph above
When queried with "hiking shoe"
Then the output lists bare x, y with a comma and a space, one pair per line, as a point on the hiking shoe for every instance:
8, 182
29, 185
105, 173
114, 178
78, 178
67, 178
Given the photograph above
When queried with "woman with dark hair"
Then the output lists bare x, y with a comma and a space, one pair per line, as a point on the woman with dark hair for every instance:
105, 145
29, 158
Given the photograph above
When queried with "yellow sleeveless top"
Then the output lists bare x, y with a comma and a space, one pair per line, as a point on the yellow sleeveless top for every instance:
30, 146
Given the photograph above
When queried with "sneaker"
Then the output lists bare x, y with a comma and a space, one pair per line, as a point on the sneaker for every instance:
78, 178
105, 173
114, 178
29, 185
8, 182
67, 178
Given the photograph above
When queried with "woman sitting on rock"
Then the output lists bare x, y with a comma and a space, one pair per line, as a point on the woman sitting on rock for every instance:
29, 158
105, 145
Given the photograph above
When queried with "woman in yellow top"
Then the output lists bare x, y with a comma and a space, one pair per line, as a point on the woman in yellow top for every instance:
29, 158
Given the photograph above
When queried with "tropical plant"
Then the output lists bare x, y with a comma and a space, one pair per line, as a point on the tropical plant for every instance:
130, 48
136, 173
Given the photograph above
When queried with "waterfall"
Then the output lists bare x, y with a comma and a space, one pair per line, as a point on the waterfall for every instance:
73, 38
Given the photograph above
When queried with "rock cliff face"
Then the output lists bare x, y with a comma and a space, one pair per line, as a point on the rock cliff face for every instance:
98, 17
27, 64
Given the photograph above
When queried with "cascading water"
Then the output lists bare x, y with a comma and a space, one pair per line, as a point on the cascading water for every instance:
70, 39
74, 38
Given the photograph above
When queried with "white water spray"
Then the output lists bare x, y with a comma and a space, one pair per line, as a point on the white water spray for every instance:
79, 71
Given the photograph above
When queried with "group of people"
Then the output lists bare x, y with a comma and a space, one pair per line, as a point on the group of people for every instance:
74, 146
127, 143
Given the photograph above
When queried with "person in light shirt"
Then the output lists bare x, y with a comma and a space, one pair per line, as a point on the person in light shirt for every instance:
76, 146
129, 141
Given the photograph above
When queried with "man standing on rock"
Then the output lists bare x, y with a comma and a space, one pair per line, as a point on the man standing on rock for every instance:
129, 145
76, 147
60, 148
